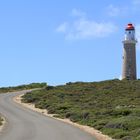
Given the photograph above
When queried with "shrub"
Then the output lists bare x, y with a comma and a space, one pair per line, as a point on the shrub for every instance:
1, 120
111, 106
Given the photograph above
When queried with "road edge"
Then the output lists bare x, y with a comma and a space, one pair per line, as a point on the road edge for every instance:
3, 123
90, 130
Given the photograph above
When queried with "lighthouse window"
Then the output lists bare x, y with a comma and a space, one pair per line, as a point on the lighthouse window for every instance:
129, 32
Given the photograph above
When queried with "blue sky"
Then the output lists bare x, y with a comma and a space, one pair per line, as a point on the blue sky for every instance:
58, 41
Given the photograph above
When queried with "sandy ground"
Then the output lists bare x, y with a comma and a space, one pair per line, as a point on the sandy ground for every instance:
88, 129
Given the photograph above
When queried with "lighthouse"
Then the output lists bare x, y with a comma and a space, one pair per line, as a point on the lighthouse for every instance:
129, 54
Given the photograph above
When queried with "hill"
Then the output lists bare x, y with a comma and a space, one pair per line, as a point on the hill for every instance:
112, 106
22, 87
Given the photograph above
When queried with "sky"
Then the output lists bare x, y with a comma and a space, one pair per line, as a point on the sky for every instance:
60, 41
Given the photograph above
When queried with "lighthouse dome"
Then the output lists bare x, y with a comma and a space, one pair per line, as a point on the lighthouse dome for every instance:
130, 27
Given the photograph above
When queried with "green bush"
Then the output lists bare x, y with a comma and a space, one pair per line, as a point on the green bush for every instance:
122, 135
1, 120
111, 106
23, 87
138, 138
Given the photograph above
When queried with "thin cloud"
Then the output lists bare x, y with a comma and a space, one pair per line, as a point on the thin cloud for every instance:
88, 29
123, 10
136, 2
115, 11
62, 28
136, 6
120, 77
78, 13
84, 28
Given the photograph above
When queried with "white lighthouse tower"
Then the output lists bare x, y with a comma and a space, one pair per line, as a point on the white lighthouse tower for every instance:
129, 54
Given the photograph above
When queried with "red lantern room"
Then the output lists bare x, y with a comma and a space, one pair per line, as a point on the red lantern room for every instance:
130, 27
130, 32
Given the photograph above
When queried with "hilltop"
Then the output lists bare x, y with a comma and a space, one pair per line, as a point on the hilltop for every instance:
22, 87
112, 106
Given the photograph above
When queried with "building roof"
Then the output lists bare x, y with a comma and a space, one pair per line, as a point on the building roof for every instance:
130, 27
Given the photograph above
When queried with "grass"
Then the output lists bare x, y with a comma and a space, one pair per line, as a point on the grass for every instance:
22, 87
112, 106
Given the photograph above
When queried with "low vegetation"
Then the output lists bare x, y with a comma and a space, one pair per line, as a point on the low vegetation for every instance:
112, 107
22, 87
1, 120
